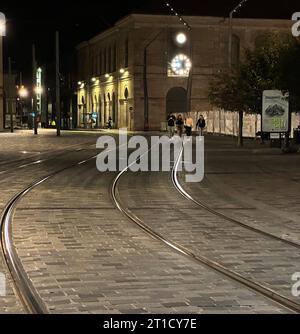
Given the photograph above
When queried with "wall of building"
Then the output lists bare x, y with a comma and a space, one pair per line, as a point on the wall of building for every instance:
207, 48
106, 96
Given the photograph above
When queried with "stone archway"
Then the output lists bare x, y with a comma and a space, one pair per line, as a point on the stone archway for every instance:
176, 101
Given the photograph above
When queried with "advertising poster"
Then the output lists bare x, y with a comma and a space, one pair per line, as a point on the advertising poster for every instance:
275, 113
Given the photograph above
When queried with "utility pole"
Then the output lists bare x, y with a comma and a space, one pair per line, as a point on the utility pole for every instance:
10, 98
230, 30
34, 100
21, 102
58, 111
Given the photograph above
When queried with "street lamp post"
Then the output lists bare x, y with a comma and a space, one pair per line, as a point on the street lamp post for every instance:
23, 94
57, 81
10, 96
231, 29
145, 77
34, 100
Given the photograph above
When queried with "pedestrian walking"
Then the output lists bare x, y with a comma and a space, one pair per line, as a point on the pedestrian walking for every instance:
179, 125
189, 124
110, 123
171, 125
201, 125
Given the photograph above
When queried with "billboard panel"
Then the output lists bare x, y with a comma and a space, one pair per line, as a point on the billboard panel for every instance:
275, 113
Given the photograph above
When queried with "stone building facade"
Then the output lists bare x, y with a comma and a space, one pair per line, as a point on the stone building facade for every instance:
129, 73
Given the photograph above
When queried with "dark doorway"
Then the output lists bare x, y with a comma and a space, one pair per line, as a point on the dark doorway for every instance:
177, 101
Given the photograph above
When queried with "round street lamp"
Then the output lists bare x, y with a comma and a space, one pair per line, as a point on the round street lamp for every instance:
23, 92
181, 38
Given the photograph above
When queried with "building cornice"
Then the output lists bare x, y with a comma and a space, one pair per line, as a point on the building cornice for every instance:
146, 20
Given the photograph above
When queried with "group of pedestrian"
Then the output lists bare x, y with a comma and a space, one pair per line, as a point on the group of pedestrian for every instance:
188, 124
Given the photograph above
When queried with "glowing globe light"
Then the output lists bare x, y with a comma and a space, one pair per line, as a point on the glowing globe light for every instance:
23, 92
181, 38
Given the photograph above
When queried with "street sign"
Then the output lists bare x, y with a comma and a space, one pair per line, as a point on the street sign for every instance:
94, 115
275, 112
275, 136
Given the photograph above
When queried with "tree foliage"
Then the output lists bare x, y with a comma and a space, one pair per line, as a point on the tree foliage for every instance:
274, 63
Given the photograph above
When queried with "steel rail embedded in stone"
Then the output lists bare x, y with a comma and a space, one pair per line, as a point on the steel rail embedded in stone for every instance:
254, 286
23, 286
204, 206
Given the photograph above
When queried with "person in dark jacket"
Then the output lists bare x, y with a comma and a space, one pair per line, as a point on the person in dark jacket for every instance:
179, 125
171, 125
201, 124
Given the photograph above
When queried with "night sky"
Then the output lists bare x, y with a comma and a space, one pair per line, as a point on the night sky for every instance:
78, 21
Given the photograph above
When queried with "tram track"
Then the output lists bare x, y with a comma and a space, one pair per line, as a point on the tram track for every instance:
37, 160
22, 285
28, 295
213, 265
178, 186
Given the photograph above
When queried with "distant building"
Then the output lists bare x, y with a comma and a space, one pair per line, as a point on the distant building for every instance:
10, 97
113, 80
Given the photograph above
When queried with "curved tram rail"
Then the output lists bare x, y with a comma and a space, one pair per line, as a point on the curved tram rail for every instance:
24, 289
204, 206
254, 286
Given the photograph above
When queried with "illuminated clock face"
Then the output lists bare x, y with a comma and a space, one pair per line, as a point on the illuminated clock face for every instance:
181, 65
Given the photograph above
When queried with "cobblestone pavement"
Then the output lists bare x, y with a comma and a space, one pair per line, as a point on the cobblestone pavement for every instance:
268, 262
259, 189
264, 260
24, 145
83, 256
14, 180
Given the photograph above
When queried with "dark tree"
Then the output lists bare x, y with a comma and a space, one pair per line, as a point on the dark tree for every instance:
274, 63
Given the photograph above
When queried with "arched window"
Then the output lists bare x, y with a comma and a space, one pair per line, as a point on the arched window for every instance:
176, 101
235, 56
105, 109
126, 93
114, 111
100, 111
